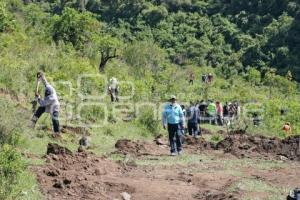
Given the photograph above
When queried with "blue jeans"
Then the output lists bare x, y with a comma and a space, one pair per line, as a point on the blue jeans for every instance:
55, 115
174, 138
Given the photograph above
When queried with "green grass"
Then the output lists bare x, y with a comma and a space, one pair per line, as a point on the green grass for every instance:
186, 159
258, 186
30, 188
103, 139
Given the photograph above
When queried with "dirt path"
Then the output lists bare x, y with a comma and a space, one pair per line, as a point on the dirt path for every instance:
145, 171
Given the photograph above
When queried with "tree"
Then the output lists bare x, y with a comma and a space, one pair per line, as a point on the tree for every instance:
155, 14
74, 27
254, 76
108, 47
144, 55
269, 79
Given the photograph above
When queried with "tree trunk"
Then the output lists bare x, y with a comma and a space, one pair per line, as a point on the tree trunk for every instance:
105, 57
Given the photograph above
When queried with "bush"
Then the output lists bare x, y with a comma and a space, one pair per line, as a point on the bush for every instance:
7, 23
11, 168
147, 119
216, 138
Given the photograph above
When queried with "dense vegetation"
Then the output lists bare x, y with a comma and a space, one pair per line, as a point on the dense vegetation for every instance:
251, 47
233, 35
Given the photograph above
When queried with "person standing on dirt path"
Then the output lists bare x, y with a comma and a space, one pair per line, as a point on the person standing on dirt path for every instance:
193, 117
50, 104
173, 118
114, 89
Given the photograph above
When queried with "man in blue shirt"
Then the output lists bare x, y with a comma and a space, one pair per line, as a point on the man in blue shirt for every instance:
173, 117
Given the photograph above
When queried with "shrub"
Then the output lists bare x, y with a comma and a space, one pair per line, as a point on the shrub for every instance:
11, 168
7, 23
147, 119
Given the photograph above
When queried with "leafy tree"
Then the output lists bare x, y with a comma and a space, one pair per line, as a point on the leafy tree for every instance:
144, 55
155, 14
254, 76
74, 27
108, 47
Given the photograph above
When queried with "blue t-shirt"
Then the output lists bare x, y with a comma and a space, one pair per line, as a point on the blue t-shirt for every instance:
173, 114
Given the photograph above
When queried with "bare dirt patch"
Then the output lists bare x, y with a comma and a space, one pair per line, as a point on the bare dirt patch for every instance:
86, 176
243, 145
214, 175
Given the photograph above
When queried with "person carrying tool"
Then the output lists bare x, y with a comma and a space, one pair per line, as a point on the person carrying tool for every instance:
50, 104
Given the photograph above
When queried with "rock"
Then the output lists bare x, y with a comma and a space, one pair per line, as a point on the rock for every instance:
283, 158
160, 141
55, 157
81, 149
58, 184
67, 181
52, 172
56, 149
125, 196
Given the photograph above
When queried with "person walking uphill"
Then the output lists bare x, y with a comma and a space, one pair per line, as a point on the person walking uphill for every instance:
49, 104
173, 117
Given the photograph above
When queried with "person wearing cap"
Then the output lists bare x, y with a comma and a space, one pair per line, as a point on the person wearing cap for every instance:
173, 118
50, 104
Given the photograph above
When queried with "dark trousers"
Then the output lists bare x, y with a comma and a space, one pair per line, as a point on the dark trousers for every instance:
174, 138
55, 122
193, 129
220, 120
114, 95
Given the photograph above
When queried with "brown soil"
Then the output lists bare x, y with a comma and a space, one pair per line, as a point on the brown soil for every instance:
86, 176
139, 148
240, 145
243, 145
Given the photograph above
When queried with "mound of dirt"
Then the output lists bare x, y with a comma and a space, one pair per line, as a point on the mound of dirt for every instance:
214, 195
76, 130
139, 148
246, 145
56, 149
199, 142
79, 177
